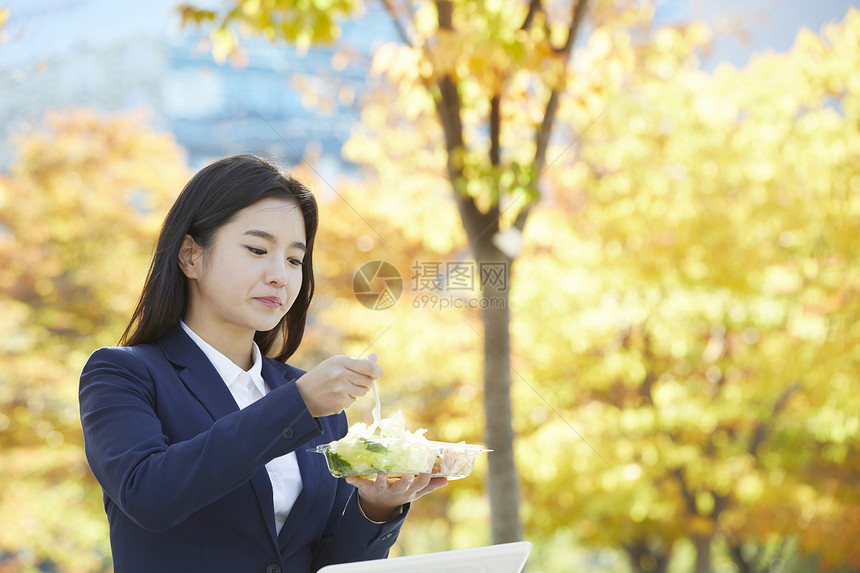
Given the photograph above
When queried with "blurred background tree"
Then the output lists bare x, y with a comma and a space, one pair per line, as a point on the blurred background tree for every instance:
79, 213
699, 245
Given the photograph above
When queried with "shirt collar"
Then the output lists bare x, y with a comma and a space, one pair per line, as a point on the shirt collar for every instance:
227, 369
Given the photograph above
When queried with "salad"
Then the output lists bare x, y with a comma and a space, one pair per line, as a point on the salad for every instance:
396, 451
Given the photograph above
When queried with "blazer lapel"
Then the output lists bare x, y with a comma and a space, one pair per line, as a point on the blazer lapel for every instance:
273, 376
310, 470
263, 489
197, 373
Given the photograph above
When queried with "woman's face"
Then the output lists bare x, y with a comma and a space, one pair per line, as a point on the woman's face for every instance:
250, 276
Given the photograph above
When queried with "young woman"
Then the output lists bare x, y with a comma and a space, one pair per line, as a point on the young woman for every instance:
197, 430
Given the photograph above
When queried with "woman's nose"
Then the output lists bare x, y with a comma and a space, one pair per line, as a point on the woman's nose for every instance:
277, 273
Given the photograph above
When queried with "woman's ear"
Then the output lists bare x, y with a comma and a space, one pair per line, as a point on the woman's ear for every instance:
189, 257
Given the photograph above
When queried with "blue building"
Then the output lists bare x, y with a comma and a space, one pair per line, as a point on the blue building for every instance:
117, 56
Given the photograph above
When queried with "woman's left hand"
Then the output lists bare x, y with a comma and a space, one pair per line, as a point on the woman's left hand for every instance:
380, 497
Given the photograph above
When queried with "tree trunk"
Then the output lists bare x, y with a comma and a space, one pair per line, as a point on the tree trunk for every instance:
502, 480
703, 553
742, 564
647, 560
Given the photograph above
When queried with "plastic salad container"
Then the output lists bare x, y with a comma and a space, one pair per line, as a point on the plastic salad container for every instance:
396, 451
366, 457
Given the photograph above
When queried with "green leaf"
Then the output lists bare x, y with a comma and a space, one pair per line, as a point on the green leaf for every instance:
337, 463
374, 447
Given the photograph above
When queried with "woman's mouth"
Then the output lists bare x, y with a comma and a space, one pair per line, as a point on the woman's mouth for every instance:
270, 301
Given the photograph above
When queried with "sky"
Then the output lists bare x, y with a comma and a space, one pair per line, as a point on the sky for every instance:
743, 28
42, 28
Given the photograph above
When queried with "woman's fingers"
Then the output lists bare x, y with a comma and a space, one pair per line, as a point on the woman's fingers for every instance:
336, 383
366, 367
432, 485
397, 491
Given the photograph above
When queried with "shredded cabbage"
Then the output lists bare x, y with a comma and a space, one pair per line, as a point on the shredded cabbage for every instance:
394, 450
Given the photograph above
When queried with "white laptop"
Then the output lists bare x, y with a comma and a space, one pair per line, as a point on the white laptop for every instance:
502, 558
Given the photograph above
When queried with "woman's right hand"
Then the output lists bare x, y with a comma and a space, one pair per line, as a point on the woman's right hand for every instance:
336, 382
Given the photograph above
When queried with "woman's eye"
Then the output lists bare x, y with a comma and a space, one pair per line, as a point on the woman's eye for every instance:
256, 251
295, 262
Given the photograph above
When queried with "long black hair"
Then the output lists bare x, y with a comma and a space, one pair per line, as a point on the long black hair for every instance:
211, 199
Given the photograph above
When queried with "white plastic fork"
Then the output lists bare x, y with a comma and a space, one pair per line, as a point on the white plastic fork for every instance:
377, 409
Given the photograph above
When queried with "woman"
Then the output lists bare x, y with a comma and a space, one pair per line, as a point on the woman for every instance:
199, 440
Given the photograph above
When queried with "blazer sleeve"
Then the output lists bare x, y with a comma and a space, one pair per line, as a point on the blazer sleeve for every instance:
355, 538
159, 484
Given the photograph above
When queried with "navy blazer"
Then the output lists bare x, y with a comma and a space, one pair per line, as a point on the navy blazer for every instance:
182, 468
